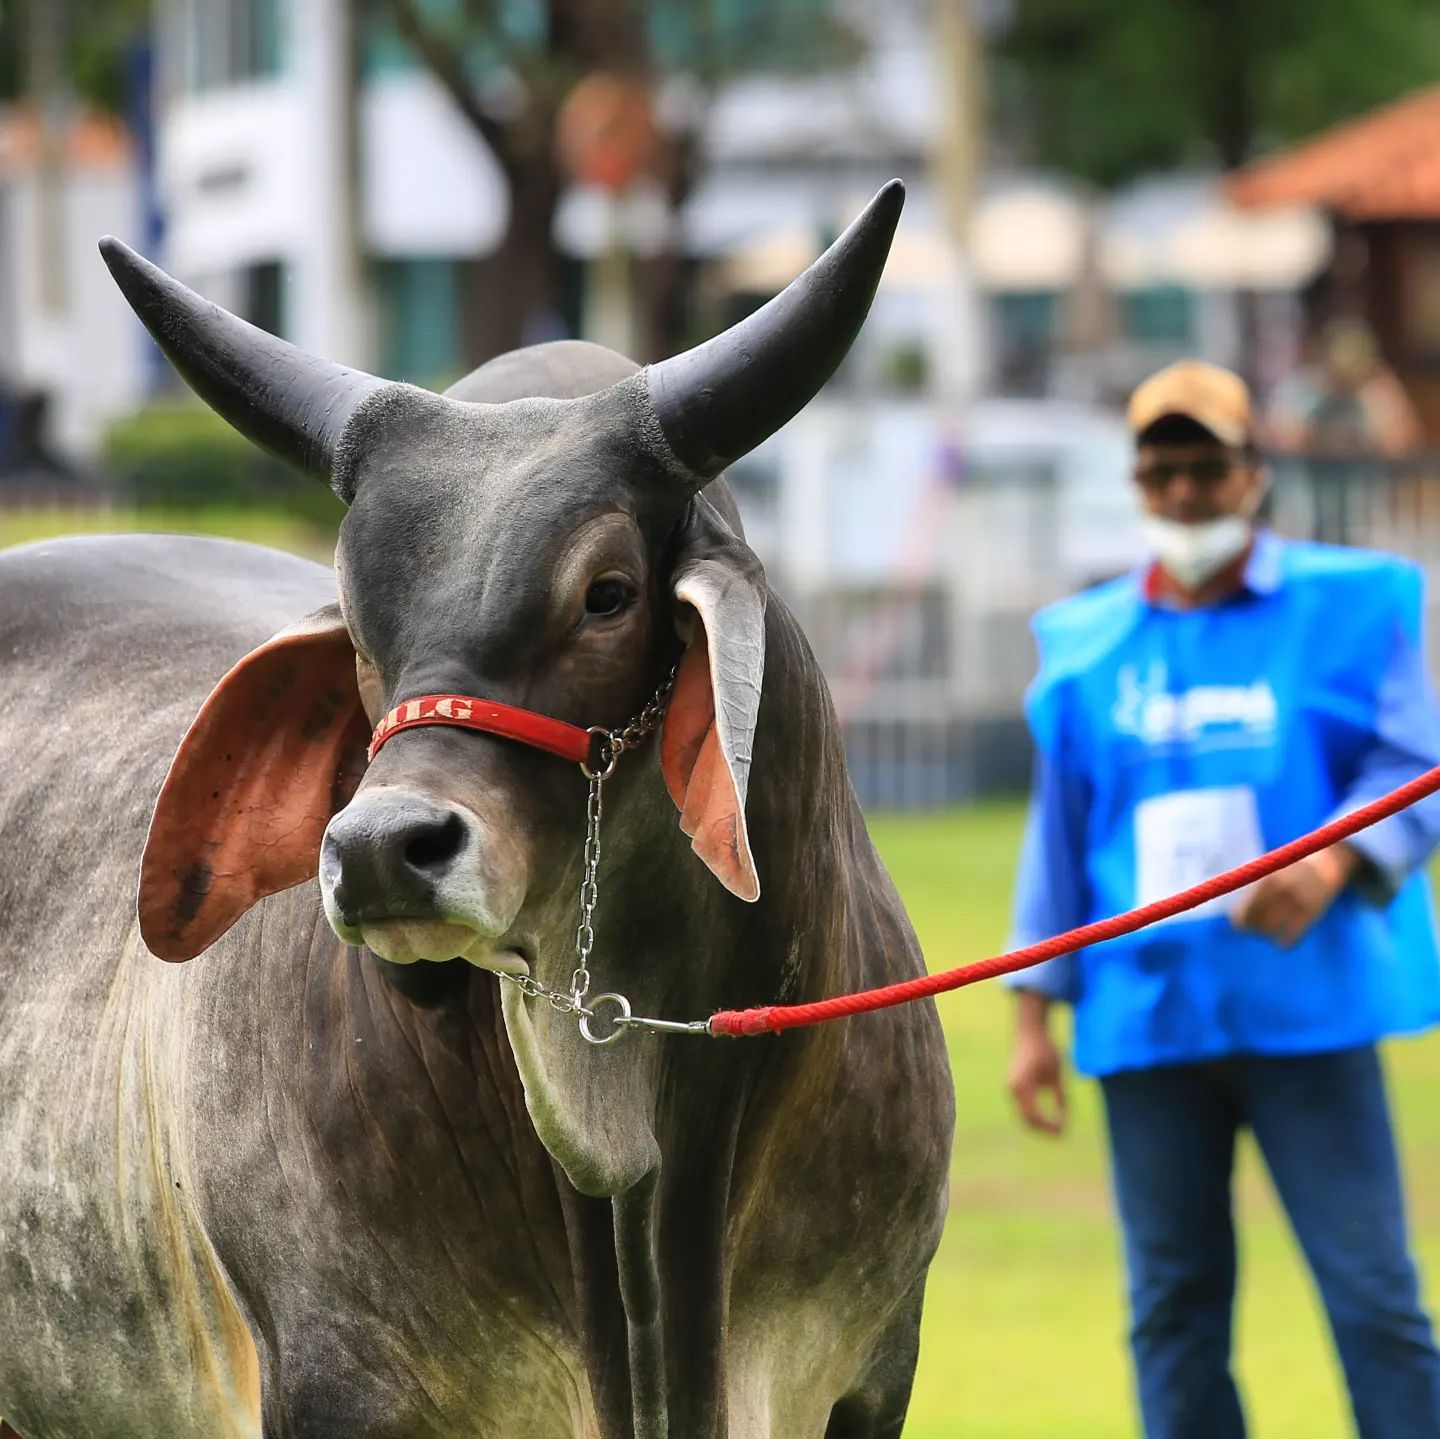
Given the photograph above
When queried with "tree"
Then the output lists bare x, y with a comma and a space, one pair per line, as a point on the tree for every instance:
509, 68
1108, 89
95, 38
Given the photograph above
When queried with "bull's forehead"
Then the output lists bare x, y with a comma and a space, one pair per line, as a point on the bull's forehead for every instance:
469, 519
411, 449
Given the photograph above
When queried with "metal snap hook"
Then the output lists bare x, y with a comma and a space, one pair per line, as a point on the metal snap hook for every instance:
621, 1020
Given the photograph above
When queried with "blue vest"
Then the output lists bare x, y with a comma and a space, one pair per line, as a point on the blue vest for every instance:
1206, 736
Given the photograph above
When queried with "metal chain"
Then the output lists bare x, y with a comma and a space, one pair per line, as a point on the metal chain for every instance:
613, 745
589, 893
639, 729
634, 734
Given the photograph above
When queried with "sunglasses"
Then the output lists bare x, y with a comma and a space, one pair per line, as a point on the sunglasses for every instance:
1206, 473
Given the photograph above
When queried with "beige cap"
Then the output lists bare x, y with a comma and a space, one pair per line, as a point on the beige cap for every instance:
1212, 397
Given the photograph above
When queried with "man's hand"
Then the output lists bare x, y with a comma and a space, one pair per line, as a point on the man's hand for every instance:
1036, 1068
1284, 905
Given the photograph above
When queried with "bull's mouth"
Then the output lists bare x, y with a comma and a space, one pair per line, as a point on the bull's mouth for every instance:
410, 940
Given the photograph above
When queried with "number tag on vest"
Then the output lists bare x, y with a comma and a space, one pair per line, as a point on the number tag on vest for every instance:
1192, 835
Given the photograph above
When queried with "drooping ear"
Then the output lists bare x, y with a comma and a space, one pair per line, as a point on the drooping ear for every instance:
276, 749
708, 735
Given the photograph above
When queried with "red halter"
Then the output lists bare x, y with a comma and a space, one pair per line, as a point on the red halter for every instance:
554, 736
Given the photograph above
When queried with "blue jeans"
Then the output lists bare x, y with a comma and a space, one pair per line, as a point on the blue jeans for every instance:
1323, 1126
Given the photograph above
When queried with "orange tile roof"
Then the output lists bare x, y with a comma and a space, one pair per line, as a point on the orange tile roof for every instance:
92, 141
1384, 165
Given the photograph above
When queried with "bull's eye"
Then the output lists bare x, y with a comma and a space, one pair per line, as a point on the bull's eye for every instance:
607, 598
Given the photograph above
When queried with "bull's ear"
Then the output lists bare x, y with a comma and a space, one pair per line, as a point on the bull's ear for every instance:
276, 749
709, 730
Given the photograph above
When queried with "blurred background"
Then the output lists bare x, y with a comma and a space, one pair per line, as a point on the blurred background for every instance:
1096, 187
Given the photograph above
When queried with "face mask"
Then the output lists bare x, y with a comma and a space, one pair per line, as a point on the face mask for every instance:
1191, 554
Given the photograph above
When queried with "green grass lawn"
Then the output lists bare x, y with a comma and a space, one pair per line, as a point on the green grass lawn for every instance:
1025, 1323
260, 525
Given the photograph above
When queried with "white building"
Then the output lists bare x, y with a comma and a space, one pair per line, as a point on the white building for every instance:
270, 202
64, 330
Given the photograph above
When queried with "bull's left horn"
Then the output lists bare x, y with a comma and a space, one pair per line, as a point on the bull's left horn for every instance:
286, 401
721, 399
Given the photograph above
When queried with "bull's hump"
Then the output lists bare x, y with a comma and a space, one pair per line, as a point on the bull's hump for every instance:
152, 582
559, 370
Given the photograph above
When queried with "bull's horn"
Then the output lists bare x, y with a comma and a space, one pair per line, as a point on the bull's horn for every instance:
286, 401
721, 399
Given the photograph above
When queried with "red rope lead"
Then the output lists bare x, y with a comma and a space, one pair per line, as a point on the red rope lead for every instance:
771, 1019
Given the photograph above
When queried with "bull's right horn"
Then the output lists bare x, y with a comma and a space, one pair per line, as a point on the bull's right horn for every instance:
721, 399
286, 401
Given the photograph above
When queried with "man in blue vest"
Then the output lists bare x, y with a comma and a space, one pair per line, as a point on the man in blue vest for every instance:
1239, 691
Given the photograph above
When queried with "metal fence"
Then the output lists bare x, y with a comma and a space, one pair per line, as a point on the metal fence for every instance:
929, 674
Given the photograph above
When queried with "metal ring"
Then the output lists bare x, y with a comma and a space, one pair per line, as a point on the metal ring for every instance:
607, 747
620, 1021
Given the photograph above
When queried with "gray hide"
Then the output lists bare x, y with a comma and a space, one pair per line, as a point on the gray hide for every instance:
293, 1189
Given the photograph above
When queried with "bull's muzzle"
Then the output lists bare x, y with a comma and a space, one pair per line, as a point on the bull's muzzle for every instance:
413, 878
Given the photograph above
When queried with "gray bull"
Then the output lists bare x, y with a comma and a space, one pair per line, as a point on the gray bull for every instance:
309, 1186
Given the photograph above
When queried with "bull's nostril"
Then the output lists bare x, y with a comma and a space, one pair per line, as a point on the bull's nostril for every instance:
436, 844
